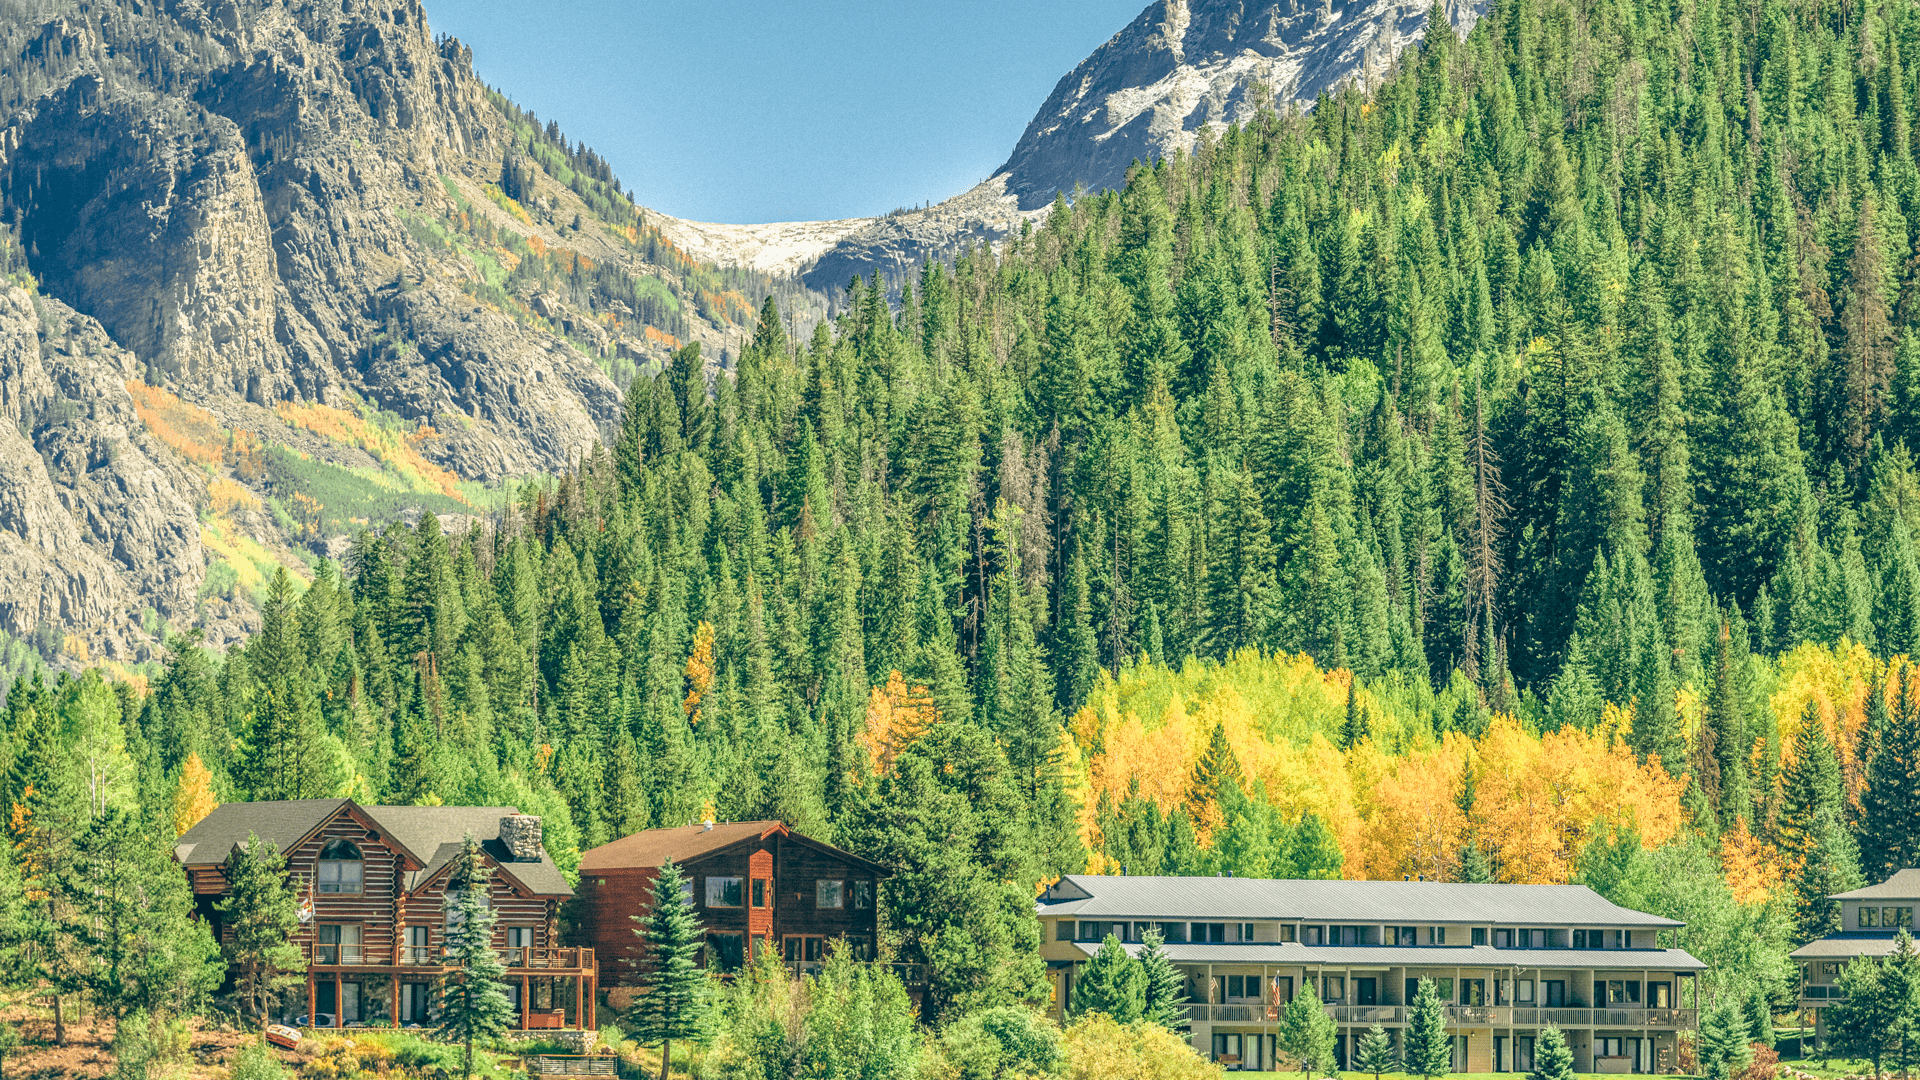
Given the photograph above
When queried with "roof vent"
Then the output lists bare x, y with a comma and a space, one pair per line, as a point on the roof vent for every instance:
707, 826
520, 835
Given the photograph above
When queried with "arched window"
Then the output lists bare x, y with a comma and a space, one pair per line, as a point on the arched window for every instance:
341, 868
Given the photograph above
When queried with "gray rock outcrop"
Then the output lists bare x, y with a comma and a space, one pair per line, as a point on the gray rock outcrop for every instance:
1184, 65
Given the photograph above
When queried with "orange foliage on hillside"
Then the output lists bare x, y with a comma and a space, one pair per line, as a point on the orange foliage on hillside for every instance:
191, 431
1535, 800
661, 336
345, 427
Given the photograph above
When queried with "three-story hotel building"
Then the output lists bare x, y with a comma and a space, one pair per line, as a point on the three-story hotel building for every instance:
1507, 960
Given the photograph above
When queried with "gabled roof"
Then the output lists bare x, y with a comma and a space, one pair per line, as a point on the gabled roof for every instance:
1423, 902
427, 837
684, 844
282, 824
437, 831
1467, 956
1903, 885
689, 843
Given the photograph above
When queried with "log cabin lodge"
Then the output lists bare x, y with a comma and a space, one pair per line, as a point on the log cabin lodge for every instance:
1507, 960
371, 882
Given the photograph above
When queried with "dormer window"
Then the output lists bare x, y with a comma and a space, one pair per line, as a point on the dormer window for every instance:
342, 868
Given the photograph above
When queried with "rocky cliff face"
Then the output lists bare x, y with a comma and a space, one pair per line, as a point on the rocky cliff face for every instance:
280, 216
1185, 65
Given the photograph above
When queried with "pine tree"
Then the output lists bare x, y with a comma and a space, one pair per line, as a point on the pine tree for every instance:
1429, 1048
674, 1001
1891, 795
473, 1000
1552, 1058
127, 910
1307, 1034
1112, 983
1374, 1052
260, 917
1166, 988
1723, 1046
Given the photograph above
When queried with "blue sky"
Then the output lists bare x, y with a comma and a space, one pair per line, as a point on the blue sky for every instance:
756, 110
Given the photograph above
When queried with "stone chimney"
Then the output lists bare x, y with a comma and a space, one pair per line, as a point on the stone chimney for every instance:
520, 835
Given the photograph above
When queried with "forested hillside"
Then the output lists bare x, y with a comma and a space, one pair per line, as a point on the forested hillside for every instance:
1554, 402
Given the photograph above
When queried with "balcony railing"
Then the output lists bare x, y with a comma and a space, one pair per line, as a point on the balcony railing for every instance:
912, 975
1458, 1016
1818, 992
515, 957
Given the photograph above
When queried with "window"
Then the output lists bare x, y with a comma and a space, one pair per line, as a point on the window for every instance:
863, 896
1243, 931
1895, 917
686, 890
1063, 930
724, 892
1436, 935
829, 893
1523, 991
1209, 932
418, 950
726, 952
1503, 939
1479, 935
337, 945
1623, 991
1313, 935
1172, 931
759, 892
415, 1003
1334, 988
1092, 931
1366, 991
1869, 918
1473, 992
1238, 987
1443, 987
341, 868
805, 948
1659, 995
519, 940
1286, 933
1403, 935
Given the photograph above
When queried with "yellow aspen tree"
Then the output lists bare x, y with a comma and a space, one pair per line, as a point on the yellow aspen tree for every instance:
193, 797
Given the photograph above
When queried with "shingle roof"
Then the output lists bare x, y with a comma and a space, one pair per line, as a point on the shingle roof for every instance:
1473, 956
279, 823
435, 834
655, 846
1846, 946
432, 834
1338, 901
1903, 885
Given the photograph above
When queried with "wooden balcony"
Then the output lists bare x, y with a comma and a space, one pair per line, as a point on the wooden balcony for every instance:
432, 960
912, 976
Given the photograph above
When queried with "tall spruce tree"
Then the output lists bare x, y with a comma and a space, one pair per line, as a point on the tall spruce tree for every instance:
674, 1002
473, 997
260, 917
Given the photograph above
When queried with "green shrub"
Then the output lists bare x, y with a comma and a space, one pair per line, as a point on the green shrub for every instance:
257, 1062
1005, 1043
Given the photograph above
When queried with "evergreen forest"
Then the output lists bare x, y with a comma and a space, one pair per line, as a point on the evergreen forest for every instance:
1540, 419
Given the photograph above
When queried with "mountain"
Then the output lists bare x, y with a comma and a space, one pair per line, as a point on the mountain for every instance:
278, 270
1180, 68
1188, 65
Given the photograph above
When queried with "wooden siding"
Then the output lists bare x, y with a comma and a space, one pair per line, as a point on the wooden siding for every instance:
797, 869
760, 919
372, 908
609, 899
383, 905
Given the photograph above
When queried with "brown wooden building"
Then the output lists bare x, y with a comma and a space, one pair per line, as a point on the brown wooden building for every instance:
372, 887
756, 885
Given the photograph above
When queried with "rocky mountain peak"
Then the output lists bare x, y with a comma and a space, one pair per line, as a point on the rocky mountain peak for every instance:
1185, 65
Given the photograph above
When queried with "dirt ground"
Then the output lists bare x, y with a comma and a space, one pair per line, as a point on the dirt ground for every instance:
87, 1053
